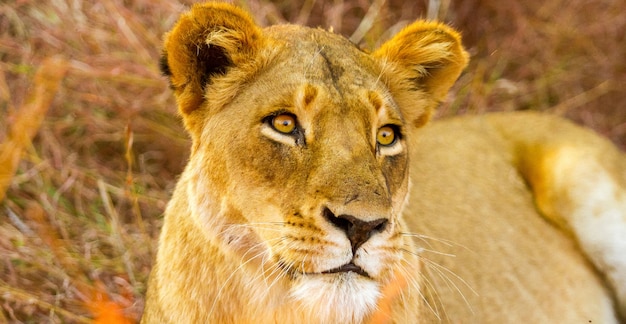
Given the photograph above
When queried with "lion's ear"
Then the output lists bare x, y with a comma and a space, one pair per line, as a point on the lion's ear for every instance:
205, 43
420, 64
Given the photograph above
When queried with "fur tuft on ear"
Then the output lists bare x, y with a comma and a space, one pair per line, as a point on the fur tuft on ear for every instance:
204, 43
420, 64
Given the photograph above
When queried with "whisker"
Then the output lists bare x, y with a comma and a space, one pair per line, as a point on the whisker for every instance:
442, 272
436, 298
419, 251
302, 263
282, 270
277, 273
417, 287
261, 223
430, 262
258, 225
273, 267
426, 238
232, 275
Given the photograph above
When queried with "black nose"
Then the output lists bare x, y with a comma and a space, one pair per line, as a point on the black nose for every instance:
357, 230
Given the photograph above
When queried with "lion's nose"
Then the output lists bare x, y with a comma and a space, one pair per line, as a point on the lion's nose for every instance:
357, 230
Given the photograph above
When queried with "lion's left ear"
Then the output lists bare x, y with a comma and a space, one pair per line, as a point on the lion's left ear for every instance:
420, 64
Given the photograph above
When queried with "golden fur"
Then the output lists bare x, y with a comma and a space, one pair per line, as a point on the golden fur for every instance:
292, 206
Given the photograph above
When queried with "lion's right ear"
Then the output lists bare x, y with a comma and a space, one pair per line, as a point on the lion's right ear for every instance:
420, 64
205, 43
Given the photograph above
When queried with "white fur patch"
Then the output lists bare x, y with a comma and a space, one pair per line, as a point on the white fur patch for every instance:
600, 225
375, 255
598, 217
278, 137
337, 298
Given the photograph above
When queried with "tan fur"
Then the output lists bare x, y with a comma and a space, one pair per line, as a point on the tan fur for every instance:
258, 216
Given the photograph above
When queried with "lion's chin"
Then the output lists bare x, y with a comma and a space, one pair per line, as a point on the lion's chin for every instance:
337, 298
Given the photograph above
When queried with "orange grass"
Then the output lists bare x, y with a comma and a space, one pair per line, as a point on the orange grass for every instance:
82, 210
26, 121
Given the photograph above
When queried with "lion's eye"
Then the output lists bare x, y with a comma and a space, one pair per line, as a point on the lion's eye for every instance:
284, 123
386, 135
283, 127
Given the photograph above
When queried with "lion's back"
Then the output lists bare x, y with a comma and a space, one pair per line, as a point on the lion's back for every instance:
475, 209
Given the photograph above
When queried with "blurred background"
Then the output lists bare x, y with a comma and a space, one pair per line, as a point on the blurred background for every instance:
81, 203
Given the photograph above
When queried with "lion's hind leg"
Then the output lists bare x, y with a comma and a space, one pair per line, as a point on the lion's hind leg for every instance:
581, 186
578, 179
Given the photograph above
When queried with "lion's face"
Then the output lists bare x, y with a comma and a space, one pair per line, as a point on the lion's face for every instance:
313, 163
300, 153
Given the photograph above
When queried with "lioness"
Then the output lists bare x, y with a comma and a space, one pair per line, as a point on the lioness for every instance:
296, 204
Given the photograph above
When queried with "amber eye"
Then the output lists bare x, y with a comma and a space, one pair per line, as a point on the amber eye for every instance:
386, 136
284, 123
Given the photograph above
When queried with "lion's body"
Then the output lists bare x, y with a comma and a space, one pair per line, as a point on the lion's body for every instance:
492, 256
290, 209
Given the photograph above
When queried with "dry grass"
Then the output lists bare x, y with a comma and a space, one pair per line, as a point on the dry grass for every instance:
82, 211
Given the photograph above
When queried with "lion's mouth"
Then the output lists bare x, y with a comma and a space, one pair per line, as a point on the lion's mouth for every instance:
348, 267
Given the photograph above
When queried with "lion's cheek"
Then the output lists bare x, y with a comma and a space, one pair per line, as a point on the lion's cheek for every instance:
270, 178
395, 171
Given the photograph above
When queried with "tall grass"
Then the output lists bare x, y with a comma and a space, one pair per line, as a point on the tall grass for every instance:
82, 209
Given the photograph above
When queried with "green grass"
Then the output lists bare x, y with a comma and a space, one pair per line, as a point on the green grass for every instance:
80, 219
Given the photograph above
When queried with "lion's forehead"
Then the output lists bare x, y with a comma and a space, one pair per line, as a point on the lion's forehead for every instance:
347, 80
323, 56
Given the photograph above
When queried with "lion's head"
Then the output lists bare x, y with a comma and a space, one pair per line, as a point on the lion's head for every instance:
299, 160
